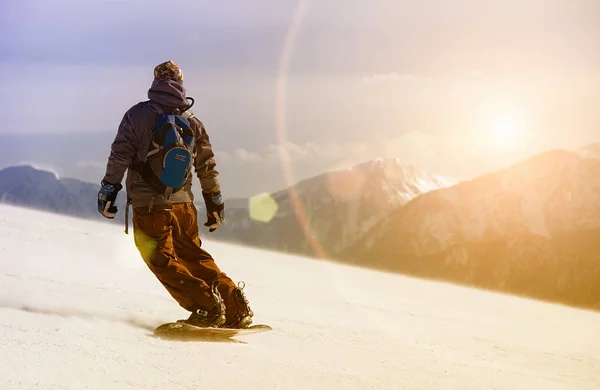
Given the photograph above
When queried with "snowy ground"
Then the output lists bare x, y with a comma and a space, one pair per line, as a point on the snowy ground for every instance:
77, 304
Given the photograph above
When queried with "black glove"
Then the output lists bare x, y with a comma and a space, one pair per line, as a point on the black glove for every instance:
107, 197
215, 210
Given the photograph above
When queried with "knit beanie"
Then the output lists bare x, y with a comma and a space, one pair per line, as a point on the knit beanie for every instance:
168, 70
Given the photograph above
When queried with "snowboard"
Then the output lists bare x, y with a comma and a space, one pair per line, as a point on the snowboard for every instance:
182, 331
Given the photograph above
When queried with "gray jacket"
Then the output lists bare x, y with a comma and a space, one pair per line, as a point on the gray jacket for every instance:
133, 140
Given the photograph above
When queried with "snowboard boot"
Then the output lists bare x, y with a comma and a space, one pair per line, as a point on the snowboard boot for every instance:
214, 318
243, 317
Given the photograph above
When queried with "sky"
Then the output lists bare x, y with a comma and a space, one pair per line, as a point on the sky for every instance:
456, 88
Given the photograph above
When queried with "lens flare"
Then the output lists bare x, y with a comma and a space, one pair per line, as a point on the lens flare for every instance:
280, 121
263, 207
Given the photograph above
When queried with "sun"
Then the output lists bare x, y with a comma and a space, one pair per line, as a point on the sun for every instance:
506, 130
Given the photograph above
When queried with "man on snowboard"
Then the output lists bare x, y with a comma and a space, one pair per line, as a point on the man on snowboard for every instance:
165, 218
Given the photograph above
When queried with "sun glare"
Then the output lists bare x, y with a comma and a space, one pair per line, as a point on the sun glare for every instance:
506, 130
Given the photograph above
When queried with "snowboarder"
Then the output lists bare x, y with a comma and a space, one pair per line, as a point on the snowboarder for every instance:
164, 215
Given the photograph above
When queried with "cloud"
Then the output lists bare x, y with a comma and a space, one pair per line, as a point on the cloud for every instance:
414, 147
290, 152
223, 157
446, 155
245, 156
269, 155
456, 156
287, 152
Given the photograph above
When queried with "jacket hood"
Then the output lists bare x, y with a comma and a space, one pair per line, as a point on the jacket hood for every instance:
168, 93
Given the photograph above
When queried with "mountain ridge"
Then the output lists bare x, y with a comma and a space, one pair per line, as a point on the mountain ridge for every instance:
322, 215
526, 229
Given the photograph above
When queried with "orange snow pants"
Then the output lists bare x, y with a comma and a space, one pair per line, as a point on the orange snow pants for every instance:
167, 238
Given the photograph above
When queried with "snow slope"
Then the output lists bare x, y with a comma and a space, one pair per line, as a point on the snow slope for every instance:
77, 305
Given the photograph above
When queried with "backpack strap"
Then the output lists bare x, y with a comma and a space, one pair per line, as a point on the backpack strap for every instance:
154, 148
143, 168
155, 107
187, 114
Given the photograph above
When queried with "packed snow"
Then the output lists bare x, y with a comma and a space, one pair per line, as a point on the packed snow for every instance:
77, 307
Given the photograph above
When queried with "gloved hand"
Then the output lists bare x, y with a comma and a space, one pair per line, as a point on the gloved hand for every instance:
107, 197
215, 210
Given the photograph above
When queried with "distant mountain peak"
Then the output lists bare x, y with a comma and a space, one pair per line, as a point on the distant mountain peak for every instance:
385, 162
29, 169
337, 207
40, 188
398, 170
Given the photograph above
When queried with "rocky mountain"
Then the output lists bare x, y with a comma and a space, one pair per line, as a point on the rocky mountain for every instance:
531, 229
324, 215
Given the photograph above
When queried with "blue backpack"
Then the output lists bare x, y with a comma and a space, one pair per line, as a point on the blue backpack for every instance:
170, 159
